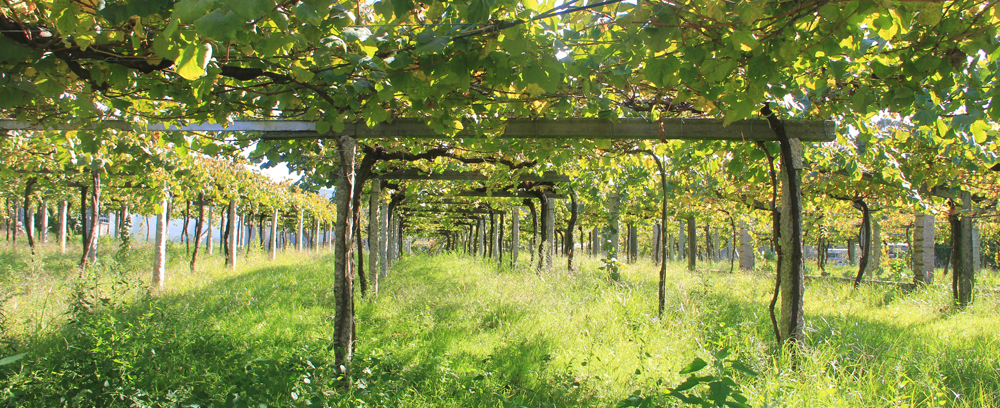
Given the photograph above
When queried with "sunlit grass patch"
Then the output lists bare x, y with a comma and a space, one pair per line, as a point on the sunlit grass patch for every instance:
459, 331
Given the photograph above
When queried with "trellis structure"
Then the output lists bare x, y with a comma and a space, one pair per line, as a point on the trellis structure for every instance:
789, 134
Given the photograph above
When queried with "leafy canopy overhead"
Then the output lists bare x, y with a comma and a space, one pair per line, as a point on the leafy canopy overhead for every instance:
317, 60
930, 65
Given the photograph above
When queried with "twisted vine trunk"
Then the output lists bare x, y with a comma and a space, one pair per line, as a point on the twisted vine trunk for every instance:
28, 224
791, 267
160, 254
343, 328
866, 237
197, 230
125, 229
224, 225
232, 227
84, 232
362, 279
534, 231
965, 252
574, 211
185, 225
661, 297
90, 247
250, 231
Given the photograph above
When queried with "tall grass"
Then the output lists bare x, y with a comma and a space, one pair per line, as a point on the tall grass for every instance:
458, 331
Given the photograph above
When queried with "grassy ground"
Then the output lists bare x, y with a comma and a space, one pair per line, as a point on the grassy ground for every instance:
456, 331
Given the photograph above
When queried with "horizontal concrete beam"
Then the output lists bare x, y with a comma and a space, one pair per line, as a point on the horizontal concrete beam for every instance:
413, 174
451, 211
506, 194
236, 126
572, 128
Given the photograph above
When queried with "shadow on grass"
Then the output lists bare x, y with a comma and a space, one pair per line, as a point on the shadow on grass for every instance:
249, 339
263, 337
434, 346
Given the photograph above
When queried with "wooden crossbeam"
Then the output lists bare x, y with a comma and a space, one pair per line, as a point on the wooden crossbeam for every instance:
572, 128
413, 174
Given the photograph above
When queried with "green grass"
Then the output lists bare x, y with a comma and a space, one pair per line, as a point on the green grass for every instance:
456, 331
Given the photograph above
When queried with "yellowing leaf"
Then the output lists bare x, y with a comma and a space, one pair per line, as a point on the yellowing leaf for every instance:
931, 14
193, 60
703, 104
533, 89
369, 50
301, 73
84, 41
979, 129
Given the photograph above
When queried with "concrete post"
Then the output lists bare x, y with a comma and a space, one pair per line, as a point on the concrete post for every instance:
692, 243
374, 239
614, 202
210, 239
43, 211
875, 263
633, 243
383, 225
481, 248
495, 235
550, 232
233, 229
298, 231
923, 248
792, 320
515, 234
681, 240
160, 254
273, 239
746, 248
63, 206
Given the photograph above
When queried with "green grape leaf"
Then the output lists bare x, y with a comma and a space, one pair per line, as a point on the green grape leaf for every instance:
250, 9
190, 10
219, 25
356, 34
301, 73
479, 10
430, 44
306, 14
931, 14
383, 8
322, 127
401, 7
9, 52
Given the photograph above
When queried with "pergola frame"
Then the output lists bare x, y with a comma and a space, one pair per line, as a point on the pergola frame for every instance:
792, 134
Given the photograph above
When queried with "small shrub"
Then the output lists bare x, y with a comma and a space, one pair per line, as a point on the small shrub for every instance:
715, 389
